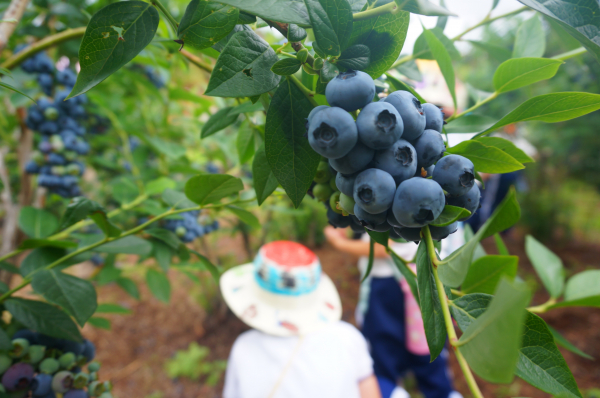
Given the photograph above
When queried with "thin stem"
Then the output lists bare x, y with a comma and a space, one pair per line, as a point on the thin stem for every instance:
371, 259
309, 94
570, 54
471, 109
288, 55
430, 248
488, 20
196, 61
47, 42
167, 14
457, 292
375, 12
539, 309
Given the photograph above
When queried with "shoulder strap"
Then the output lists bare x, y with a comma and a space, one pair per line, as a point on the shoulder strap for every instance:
286, 368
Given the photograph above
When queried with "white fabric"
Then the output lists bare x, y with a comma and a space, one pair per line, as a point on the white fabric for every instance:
400, 392
329, 363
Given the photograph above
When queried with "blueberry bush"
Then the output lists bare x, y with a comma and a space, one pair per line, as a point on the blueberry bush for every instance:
328, 112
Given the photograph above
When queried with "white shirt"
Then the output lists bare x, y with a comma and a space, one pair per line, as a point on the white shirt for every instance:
328, 363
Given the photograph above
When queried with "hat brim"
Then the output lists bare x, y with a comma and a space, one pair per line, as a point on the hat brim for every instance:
277, 314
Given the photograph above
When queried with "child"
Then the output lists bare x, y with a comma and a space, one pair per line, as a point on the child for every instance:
390, 320
298, 347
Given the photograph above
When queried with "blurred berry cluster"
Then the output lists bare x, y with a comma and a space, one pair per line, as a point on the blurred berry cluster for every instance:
188, 228
41, 366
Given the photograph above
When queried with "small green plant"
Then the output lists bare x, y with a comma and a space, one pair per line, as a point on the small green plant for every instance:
192, 363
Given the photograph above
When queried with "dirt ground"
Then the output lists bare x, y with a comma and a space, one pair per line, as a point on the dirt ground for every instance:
134, 351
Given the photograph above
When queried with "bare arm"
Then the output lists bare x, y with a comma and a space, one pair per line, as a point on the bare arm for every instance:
369, 388
339, 239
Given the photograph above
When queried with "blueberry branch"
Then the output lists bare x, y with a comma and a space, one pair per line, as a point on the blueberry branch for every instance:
172, 21
390, 8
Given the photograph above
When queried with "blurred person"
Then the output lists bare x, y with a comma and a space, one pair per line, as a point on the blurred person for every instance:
298, 346
390, 319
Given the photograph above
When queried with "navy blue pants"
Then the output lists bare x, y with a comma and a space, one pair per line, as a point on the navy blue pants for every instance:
384, 328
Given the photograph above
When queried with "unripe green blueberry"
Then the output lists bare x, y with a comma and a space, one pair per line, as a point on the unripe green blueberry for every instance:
72, 169
96, 388
51, 113
347, 203
70, 155
36, 353
322, 192
334, 201
94, 366
105, 395
332, 184
81, 380
318, 64
107, 386
94, 376
302, 55
5, 363
20, 348
57, 143
180, 230
323, 173
62, 381
67, 360
58, 170
49, 366
37, 157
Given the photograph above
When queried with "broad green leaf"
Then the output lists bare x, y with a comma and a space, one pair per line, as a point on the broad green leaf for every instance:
179, 93
296, 33
530, 40
8, 267
39, 258
159, 285
218, 122
286, 67
502, 249
291, 159
471, 123
110, 308
245, 143
246, 107
244, 68
580, 18
124, 189
205, 23
486, 159
384, 35
207, 265
521, 72
5, 341
43, 318
177, 200
166, 236
423, 7
485, 273
113, 37
328, 72
431, 308
99, 322
469, 307
441, 55
559, 339
75, 295
380, 237
411, 70
582, 290
410, 277
356, 57
288, 11
479, 250
455, 267
127, 245
422, 50
264, 179
500, 53
548, 266
491, 343
449, 215
400, 85
163, 253
245, 216
171, 149
208, 188
37, 223
331, 21
159, 185
129, 287
507, 147
551, 108
16, 90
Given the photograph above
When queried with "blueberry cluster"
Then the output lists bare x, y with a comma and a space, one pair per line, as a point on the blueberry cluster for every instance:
389, 165
60, 124
188, 228
41, 366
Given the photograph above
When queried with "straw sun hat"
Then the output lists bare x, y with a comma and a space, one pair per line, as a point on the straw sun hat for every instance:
283, 293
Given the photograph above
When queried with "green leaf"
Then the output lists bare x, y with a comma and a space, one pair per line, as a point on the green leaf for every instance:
578, 17
583, 289
506, 146
208, 188
205, 23
159, 185
245, 144
110, 308
502, 249
328, 72
471, 123
245, 216
43, 318
5, 341
166, 236
407, 274
384, 35
8, 267
159, 285
81, 208
455, 267
264, 179
411, 70
246, 107
380, 237
431, 308
295, 33
441, 55
551, 108
449, 215
548, 266
291, 159
37, 223
486, 159
485, 273
288, 11
16, 90
39, 258
559, 339
530, 40
287, 66
218, 122
491, 343
113, 37
423, 7
177, 200
479, 250
163, 254
422, 50
400, 85
356, 57
331, 21
127, 245
244, 68
214, 271
124, 190
75, 295
516, 73
469, 307
129, 287
99, 322
172, 150
500, 53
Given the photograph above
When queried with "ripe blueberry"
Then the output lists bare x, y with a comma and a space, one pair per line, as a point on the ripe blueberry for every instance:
369, 220
313, 113
455, 174
374, 191
356, 160
469, 201
425, 171
439, 233
418, 201
76, 394
350, 90
394, 234
337, 220
411, 111
18, 376
41, 385
399, 160
409, 234
379, 125
89, 350
430, 148
332, 133
434, 117
391, 219
345, 183
383, 227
